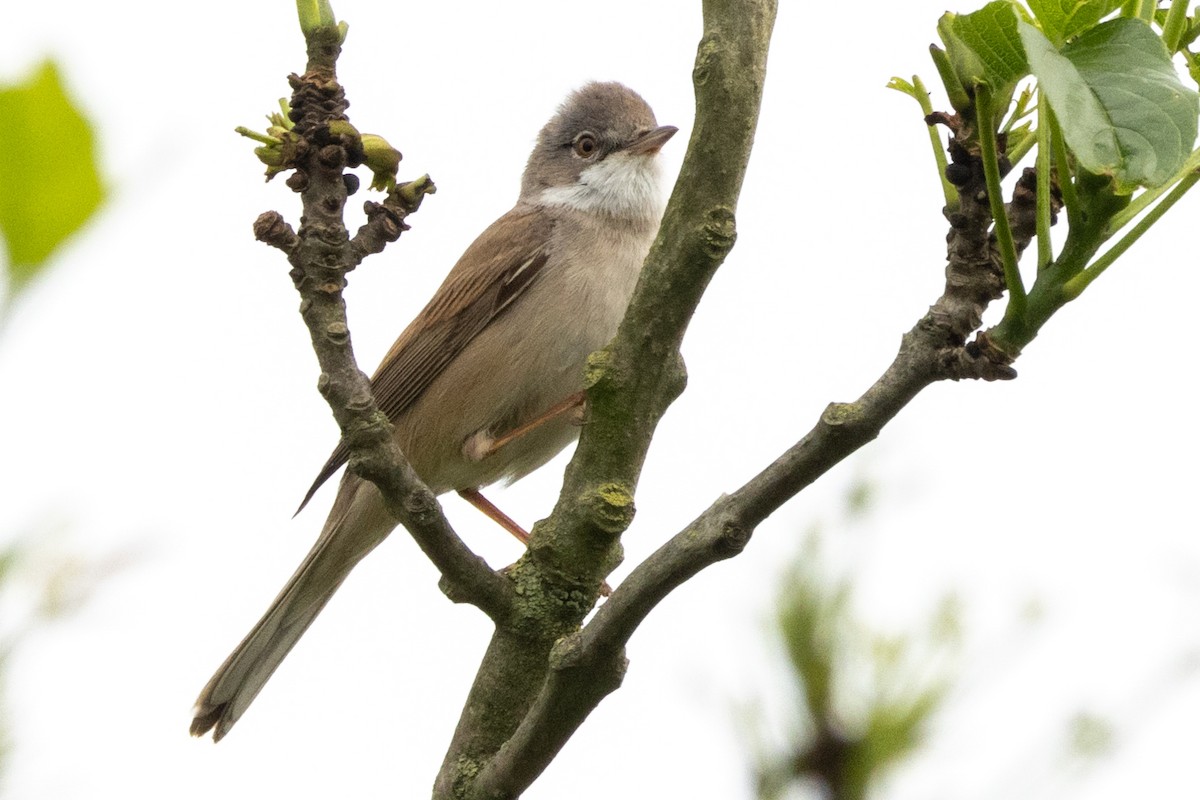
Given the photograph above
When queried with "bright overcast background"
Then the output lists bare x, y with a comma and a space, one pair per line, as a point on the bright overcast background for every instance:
159, 402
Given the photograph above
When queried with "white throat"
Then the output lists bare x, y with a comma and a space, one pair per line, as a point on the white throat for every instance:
621, 185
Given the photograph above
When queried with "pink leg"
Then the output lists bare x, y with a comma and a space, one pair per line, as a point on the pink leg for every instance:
476, 499
574, 401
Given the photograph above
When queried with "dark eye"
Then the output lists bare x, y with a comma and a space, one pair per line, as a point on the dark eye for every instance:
585, 145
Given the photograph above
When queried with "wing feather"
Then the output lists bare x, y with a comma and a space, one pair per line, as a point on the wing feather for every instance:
492, 274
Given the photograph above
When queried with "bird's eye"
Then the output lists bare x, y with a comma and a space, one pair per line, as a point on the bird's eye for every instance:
585, 145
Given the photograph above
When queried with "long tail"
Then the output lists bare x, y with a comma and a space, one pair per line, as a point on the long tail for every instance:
355, 526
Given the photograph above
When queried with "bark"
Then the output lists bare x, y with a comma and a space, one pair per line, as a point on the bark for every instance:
498, 751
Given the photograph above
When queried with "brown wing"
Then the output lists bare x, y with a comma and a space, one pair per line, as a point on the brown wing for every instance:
494, 271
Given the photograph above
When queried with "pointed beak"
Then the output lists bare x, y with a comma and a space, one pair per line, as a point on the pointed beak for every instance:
651, 142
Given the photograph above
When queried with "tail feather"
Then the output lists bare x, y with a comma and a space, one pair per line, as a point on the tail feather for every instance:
355, 526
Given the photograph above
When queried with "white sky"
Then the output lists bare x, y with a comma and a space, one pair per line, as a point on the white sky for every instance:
161, 371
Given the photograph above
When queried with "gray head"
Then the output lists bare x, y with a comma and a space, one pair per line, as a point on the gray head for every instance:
598, 154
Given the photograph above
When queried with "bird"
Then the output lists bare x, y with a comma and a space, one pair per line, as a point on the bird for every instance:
486, 383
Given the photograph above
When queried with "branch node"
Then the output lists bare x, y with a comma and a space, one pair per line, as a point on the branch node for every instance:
605, 666
610, 507
333, 236
332, 156
420, 502
297, 181
567, 652
391, 224
707, 53
733, 537
337, 332
361, 403
992, 362
958, 220
837, 415
599, 368
410, 194
271, 228
720, 232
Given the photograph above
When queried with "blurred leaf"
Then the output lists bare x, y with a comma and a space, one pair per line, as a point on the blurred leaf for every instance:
49, 182
809, 619
10, 555
860, 497
946, 626
898, 717
1123, 111
1090, 736
864, 697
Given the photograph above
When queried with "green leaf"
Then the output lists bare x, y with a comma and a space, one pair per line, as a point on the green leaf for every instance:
1064, 19
314, 14
1123, 111
985, 48
904, 87
317, 14
49, 183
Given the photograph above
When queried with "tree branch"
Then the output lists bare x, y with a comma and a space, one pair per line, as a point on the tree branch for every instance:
635, 379
631, 383
589, 664
935, 349
321, 254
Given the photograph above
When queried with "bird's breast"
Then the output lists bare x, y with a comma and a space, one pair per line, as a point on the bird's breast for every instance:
530, 358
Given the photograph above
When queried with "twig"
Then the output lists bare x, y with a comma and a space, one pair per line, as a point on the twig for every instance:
321, 254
